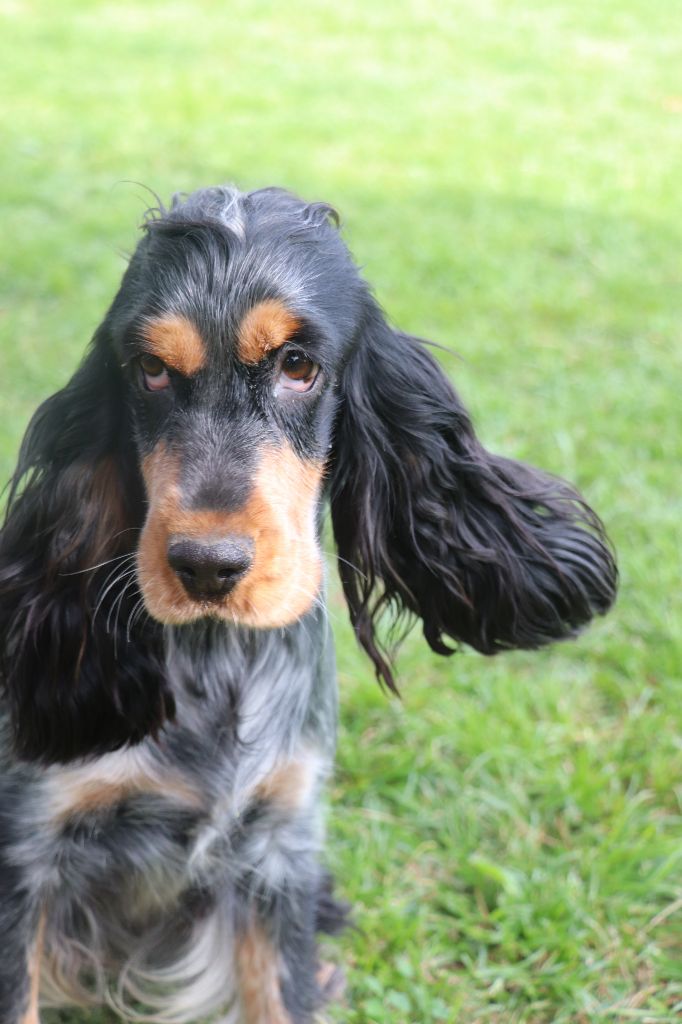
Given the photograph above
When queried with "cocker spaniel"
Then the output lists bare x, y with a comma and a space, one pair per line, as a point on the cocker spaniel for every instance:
168, 695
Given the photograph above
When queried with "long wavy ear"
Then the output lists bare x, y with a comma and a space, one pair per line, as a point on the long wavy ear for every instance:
81, 674
484, 550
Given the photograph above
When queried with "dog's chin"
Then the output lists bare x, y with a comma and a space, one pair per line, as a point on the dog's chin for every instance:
198, 611
187, 612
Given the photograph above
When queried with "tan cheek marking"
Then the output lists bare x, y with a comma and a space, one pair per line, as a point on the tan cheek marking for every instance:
259, 987
177, 343
35, 956
103, 517
163, 592
108, 511
265, 327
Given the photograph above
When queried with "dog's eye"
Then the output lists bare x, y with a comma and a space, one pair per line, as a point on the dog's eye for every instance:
154, 373
298, 372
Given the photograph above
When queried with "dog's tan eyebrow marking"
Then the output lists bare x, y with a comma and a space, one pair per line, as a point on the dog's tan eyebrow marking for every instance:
177, 343
266, 327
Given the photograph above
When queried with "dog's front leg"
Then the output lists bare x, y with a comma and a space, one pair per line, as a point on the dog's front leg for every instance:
276, 956
21, 940
279, 897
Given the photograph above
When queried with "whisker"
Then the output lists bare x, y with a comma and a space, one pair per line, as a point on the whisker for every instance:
317, 600
116, 603
116, 580
135, 614
112, 572
91, 568
339, 558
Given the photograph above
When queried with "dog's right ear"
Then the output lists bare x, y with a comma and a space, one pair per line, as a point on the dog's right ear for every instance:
82, 676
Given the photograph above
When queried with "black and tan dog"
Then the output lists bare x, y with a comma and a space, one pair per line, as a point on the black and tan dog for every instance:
169, 702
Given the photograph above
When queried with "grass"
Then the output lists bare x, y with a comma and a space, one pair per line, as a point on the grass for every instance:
508, 175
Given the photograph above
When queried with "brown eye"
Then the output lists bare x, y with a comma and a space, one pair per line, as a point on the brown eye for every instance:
298, 372
154, 373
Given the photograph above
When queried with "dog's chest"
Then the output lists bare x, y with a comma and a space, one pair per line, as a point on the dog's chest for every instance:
126, 817
131, 816
148, 857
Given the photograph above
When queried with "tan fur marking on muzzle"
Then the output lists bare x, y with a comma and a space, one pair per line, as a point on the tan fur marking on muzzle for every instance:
177, 343
265, 327
279, 517
258, 966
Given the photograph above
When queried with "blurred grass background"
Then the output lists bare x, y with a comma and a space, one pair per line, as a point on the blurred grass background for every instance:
508, 174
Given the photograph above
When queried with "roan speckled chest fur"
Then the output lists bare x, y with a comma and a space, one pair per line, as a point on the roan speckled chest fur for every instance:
154, 856
167, 672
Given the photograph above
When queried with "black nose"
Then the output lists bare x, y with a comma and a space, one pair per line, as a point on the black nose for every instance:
209, 569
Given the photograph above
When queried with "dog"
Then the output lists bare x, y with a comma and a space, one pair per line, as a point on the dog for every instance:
167, 671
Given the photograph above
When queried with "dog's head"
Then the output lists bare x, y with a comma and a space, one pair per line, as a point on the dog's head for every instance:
243, 373
229, 334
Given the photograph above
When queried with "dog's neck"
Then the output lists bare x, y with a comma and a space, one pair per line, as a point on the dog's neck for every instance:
252, 694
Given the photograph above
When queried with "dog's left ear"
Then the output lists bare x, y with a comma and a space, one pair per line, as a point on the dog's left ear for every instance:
483, 549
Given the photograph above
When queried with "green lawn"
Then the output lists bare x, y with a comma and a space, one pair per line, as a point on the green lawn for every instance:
509, 175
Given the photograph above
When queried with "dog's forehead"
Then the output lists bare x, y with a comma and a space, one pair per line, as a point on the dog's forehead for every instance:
211, 296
